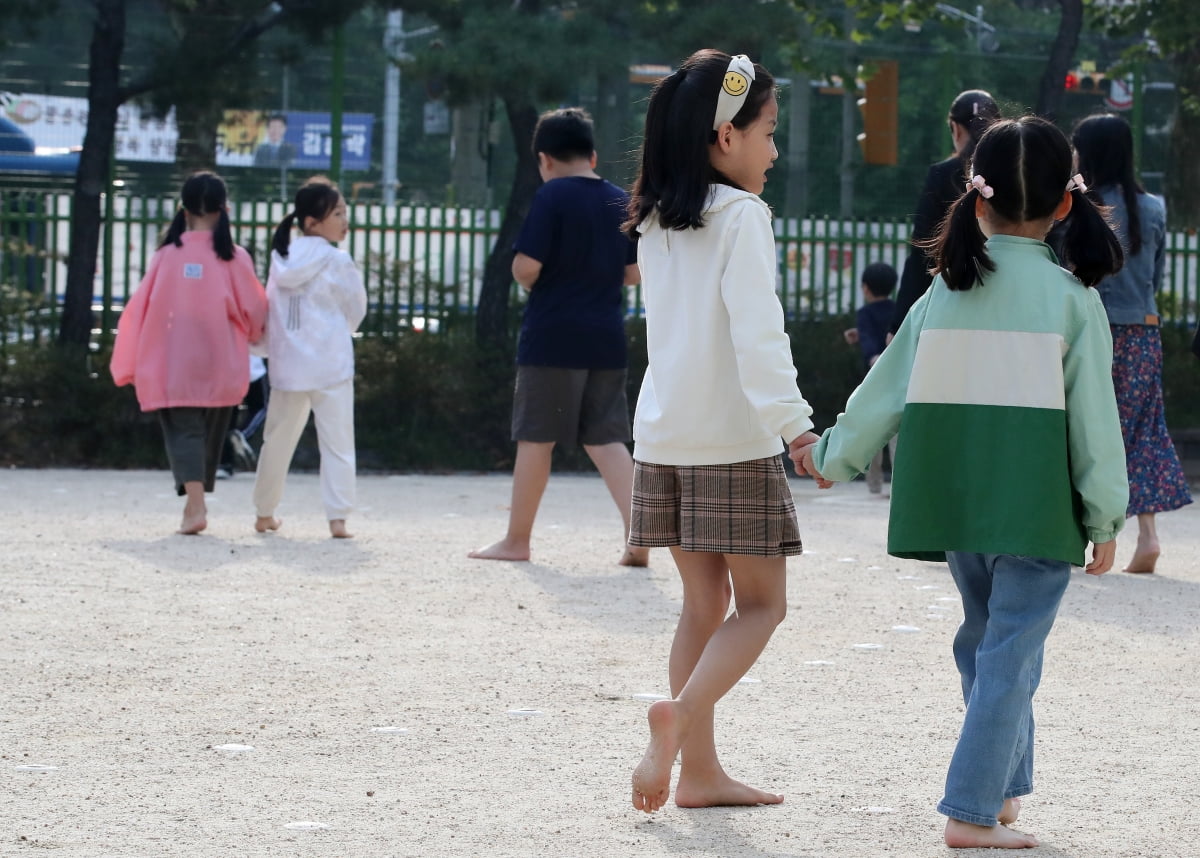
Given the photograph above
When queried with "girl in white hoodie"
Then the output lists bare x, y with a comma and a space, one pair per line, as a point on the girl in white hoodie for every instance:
718, 395
316, 301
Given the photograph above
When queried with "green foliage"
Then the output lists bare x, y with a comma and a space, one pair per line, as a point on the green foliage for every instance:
1180, 378
433, 403
57, 410
423, 402
21, 18
1173, 24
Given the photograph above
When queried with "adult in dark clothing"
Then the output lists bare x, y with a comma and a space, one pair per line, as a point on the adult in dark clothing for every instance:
970, 115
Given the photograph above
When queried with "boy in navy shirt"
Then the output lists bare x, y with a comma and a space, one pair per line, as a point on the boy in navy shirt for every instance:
575, 262
870, 332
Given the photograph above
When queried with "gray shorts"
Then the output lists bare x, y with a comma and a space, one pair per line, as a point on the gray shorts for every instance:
570, 406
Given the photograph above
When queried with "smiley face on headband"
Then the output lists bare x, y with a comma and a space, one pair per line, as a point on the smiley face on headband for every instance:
735, 83
735, 89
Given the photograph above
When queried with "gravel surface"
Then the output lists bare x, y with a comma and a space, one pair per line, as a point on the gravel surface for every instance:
293, 695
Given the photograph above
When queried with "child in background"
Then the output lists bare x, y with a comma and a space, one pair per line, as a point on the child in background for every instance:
575, 262
247, 419
870, 333
718, 394
183, 338
1013, 457
317, 301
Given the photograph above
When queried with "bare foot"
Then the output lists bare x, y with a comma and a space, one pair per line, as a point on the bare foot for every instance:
505, 549
1009, 813
652, 777
719, 791
263, 523
193, 522
337, 529
964, 835
1143, 560
635, 557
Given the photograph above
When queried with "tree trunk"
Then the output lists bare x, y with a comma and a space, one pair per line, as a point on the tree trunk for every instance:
1053, 82
491, 319
1182, 182
91, 180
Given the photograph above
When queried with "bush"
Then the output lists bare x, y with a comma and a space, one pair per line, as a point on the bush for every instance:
424, 402
59, 408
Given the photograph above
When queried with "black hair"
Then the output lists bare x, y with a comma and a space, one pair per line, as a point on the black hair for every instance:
974, 110
1027, 164
1104, 145
565, 134
315, 199
879, 278
675, 169
203, 193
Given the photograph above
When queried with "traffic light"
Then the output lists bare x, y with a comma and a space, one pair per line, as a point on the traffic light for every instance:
1085, 80
880, 114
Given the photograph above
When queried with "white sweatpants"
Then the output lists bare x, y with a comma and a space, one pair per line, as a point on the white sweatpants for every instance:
287, 414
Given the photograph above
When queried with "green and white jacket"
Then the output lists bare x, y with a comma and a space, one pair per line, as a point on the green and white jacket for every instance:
1009, 441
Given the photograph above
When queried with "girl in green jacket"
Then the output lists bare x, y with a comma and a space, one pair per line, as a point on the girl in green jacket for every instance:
1011, 458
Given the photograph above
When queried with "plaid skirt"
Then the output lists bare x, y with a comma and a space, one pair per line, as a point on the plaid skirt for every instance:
740, 508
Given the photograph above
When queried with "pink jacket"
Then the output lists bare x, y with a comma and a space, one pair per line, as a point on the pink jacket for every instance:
183, 339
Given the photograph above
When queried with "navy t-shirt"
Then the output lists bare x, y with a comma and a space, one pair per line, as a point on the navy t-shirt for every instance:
575, 316
872, 322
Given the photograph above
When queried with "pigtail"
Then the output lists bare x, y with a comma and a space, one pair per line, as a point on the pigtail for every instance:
223, 237
1091, 250
959, 252
283, 235
175, 230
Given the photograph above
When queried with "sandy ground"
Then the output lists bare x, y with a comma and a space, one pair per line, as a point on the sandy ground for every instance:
375, 682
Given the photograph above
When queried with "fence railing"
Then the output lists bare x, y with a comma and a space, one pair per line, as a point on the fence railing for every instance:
423, 265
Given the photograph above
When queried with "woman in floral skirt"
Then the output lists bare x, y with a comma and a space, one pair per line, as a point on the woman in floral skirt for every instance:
1104, 144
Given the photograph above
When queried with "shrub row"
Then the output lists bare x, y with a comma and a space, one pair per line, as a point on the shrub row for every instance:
424, 402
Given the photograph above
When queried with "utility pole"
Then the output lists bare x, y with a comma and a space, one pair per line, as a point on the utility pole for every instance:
395, 41
393, 49
849, 109
335, 104
799, 109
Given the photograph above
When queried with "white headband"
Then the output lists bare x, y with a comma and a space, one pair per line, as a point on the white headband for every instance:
734, 88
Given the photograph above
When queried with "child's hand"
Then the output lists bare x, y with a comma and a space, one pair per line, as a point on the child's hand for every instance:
850, 335
1103, 555
805, 440
802, 458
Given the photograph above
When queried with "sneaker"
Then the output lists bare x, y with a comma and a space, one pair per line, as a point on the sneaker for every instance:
224, 473
242, 451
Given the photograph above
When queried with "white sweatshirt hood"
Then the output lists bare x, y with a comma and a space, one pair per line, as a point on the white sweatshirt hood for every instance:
307, 257
720, 197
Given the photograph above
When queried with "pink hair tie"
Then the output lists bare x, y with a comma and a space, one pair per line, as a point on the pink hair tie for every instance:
1076, 182
980, 184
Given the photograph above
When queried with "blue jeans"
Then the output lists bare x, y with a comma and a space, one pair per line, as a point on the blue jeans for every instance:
1009, 605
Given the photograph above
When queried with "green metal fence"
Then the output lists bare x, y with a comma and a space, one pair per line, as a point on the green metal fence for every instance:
423, 265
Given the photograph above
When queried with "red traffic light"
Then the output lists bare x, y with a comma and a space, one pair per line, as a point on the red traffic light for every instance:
1072, 81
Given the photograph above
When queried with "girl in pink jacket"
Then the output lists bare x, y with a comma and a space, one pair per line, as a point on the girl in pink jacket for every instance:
183, 338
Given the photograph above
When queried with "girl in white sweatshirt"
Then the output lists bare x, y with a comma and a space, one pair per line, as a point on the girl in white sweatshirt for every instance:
316, 301
718, 395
